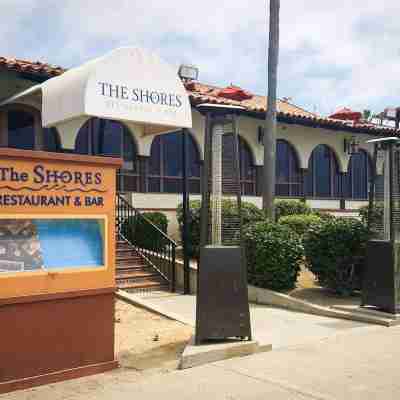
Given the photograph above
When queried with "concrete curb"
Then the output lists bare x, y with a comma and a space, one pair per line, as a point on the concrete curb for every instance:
271, 298
194, 356
148, 305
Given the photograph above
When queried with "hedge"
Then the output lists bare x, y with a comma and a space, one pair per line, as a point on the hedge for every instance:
376, 216
143, 235
250, 214
291, 207
194, 226
300, 224
274, 255
335, 253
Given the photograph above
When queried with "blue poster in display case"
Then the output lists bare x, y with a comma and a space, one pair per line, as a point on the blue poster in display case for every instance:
70, 243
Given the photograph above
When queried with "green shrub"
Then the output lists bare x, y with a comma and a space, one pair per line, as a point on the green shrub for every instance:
376, 214
291, 207
194, 226
300, 223
324, 215
143, 235
250, 214
335, 253
274, 254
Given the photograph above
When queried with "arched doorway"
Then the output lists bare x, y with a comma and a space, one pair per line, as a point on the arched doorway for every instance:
323, 176
288, 174
358, 176
166, 165
111, 138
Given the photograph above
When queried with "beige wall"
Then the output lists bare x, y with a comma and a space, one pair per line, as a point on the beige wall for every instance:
303, 139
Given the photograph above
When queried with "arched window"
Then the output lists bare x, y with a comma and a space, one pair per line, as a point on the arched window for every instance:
357, 177
166, 165
247, 169
288, 174
21, 129
111, 138
323, 177
246, 166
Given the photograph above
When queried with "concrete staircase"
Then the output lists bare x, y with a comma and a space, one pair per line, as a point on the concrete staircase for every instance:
134, 272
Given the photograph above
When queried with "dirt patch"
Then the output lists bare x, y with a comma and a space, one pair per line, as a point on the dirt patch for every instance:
145, 340
306, 279
307, 289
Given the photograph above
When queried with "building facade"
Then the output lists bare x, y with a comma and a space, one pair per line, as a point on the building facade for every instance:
313, 163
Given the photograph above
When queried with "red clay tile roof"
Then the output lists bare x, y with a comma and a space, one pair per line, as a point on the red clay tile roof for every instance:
201, 93
35, 68
289, 113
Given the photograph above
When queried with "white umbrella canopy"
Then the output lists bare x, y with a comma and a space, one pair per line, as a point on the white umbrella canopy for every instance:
128, 84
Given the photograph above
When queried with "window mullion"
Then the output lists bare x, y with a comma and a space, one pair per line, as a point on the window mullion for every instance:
161, 144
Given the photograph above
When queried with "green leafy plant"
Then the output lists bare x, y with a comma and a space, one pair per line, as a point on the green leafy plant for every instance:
291, 207
324, 215
300, 223
335, 253
274, 253
250, 213
145, 236
376, 216
194, 226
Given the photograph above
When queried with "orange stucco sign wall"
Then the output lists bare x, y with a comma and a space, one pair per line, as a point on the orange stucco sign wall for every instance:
57, 223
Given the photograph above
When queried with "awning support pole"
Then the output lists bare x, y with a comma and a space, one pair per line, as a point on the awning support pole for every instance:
186, 216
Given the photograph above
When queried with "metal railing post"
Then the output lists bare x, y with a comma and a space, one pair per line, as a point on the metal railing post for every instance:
173, 272
162, 249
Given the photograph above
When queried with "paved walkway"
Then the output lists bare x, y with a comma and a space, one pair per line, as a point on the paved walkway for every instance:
313, 358
279, 327
360, 364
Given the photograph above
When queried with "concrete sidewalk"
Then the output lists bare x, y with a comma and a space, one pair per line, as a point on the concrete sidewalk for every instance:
360, 364
279, 327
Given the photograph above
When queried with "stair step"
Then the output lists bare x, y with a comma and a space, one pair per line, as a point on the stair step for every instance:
123, 245
133, 262
126, 256
124, 250
136, 274
133, 267
143, 285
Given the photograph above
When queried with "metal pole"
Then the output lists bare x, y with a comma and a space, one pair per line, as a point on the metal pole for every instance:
205, 193
372, 183
270, 118
185, 209
391, 200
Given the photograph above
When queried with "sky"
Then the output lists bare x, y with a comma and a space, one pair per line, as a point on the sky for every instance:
333, 54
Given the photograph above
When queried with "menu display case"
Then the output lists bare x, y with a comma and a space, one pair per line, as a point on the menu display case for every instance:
51, 244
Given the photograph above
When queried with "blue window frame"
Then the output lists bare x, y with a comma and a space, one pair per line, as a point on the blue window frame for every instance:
323, 176
247, 169
21, 129
105, 137
288, 173
356, 181
166, 165
51, 140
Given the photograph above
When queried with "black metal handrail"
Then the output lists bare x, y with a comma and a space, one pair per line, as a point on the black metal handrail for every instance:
148, 239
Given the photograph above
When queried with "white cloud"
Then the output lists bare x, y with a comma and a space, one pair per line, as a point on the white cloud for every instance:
333, 54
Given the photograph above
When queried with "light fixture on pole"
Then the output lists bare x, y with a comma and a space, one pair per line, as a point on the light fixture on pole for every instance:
351, 146
188, 72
